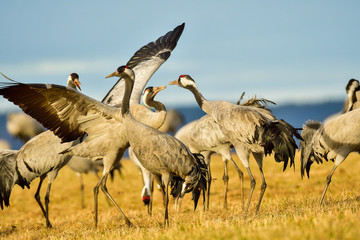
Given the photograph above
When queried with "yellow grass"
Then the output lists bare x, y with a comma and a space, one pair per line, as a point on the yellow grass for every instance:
290, 209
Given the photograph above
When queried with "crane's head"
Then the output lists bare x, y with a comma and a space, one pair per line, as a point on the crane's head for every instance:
150, 93
184, 81
73, 81
123, 71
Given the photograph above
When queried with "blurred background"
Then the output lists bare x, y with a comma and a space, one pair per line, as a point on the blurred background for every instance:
297, 54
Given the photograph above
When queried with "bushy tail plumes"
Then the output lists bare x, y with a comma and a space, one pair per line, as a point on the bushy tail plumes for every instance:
306, 145
277, 136
8, 175
204, 178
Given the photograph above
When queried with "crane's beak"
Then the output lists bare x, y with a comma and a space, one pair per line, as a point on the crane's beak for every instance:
176, 82
158, 89
114, 74
77, 83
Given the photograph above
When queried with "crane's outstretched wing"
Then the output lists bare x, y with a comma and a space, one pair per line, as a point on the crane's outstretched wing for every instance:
144, 63
65, 111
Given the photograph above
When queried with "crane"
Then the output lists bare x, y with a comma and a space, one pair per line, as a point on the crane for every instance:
250, 130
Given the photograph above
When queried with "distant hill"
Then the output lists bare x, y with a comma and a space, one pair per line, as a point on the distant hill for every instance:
295, 114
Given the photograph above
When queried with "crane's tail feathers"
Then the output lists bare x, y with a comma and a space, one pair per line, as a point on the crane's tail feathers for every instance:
255, 102
278, 137
204, 178
306, 145
8, 175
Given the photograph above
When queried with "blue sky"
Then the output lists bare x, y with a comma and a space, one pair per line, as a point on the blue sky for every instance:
286, 51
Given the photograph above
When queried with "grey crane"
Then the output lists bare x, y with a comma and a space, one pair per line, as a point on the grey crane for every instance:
38, 157
332, 140
70, 114
204, 136
161, 154
250, 130
144, 63
157, 118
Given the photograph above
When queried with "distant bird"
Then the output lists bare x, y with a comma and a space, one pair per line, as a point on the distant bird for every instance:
250, 130
22, 126
4, 144
70, 114
353, 95
334, 140
38, 157
204, 136
172, 121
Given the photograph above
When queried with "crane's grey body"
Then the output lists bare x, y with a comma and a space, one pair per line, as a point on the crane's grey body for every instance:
161, 154
204, 136
34, 159
155, 120
250, 130
334, 140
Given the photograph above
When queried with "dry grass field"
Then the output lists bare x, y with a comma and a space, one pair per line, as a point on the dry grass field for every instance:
290, 209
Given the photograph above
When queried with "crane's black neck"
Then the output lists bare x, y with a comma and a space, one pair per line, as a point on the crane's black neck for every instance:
129, 83
158, 106
199, 98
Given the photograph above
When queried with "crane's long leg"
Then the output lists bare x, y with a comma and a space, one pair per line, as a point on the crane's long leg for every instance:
166, 215
259, 159
339, 159
328, 180
81, 190
208, 186
252, 185
38, 200
243, 155
96, 195
226, 183
165, 182
47, 201
104, 189
241, 176
151, 197
207, 156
